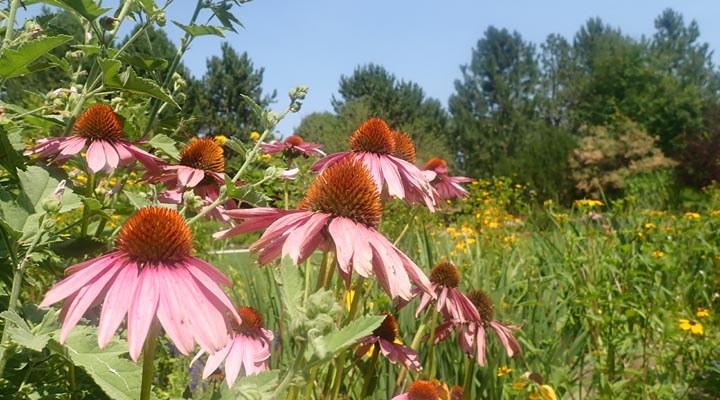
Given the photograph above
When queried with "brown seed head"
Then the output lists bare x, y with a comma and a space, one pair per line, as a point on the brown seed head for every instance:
435, 162
204, 154
345, 189
483, 303
445, 274
294, 140
156, 234
388, 330
422, 390
99, 122
456, 393
252, 321
404, 147
373, 136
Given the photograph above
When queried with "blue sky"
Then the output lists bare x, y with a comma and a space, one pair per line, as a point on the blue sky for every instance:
314, 42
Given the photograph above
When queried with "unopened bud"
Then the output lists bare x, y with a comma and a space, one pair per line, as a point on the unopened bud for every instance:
295, 106
53, 202
272, 118
109, 23
192, 201
161, 19
298, 92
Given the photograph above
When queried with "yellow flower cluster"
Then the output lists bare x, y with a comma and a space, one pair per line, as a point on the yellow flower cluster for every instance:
691, 215
254, 135
694, 327
589, 203
657, 254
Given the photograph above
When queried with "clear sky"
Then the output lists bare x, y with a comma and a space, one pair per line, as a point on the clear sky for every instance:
314, 42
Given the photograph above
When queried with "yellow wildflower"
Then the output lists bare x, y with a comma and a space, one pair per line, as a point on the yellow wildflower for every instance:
650, 225
548, 393
588, 203
254, 135
504, 370
691, 215
657, 254
715, 213
694, 327
702, 312
221, 139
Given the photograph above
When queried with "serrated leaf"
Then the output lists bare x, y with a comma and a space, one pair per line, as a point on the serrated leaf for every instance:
292, 285
201, 30
258, 386
255, 107
222, 12
16, 62
89, 9
165, 144
136, 200
88, 49
236, 146
144, 62
129, 81
349, 334
9, 157
77, 247
21, 333
118, 377
246, 193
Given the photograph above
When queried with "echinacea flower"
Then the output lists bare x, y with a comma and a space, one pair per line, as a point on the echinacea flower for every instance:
447, 187
248, 348
453, 303
420, 390
292, 147
340, 212
374, 144
152, 278
695, 328
384, 337
471, 335
100, 129
201, 169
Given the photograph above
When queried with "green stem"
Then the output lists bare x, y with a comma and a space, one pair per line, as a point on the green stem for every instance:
338, 375
467, 382
121, 17
148, 364
370, 373
292, 372
10, 23
311, 382
15, 295
86, 209
431, 341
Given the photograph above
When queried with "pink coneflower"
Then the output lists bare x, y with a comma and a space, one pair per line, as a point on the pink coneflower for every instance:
292, 147
201, 169
451, 302
100, 129
375, 145
150, 277
448, 187
248, 348
384, 338
420, 390
340, 212
471, 335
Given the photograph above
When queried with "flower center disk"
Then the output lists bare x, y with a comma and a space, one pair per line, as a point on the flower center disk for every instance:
347, 190
204, 154
404, 147
99, 122
422, 390
155, 235
373, 136
445, 274
252, 321
435, 162
294, 140
388, 329
483, 303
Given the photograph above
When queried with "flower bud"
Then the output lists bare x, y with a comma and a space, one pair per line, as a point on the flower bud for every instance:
295, 106
298, 92
109, 23
272, 118
53, 202
192, 201
160, 19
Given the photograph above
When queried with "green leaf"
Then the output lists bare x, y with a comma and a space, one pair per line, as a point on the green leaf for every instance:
201, 30
292, 286
165, 144
144, 62
258, 386
16, 62
136, 200
89, 9
77, 247
255, 107
246, 193
21, 333
130, 82
236, 146
118, 377
88, 49
9, 157
222, 12
12, 216
348, 335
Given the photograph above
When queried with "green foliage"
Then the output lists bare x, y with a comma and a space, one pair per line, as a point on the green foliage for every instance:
18, 62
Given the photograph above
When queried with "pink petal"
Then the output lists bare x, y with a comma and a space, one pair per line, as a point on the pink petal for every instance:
342, 233
143, 307
73, 283
117, 303
111, 154
84, 298
325, 162
211, 272
296, 243
190, 177
235, 359
392, 178
96, 156
174, 319
362, 252
214, 360
481, 345
72, 146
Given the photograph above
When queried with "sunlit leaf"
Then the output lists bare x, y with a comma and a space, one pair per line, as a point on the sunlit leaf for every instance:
201, 30
165, 144
16, 62
89, 9
128, 80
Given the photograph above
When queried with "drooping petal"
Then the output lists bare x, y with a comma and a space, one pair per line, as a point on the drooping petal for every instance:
235, 358
96, 156
296, 244
117, 302
72, 146
214, 360
111, 155
190, 177
73, 283
142, 311
174, 319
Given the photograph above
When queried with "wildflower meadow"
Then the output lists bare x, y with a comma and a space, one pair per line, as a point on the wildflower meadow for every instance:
147, 256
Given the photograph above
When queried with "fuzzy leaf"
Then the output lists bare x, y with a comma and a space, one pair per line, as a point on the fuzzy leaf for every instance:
348, 335
17, 62
9, 157
21, 333
89, 9
201, 30
118, 377
129, 81
259, 386
166, 144
246, 193
255, 107
136, 200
